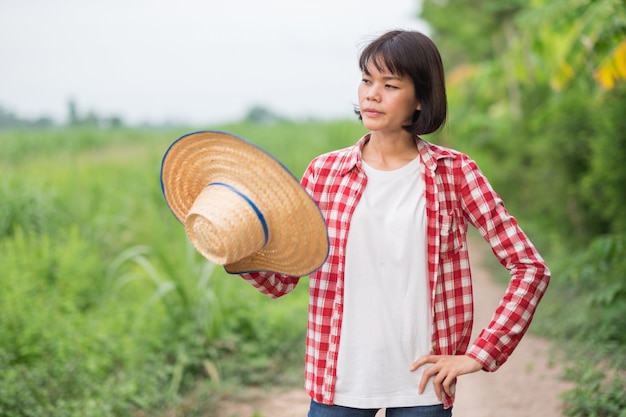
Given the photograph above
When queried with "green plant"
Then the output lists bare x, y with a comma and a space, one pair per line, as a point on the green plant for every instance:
584, 312
596, 394
598, 276
184, 290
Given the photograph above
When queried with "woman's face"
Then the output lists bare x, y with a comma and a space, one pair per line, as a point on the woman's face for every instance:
386, 101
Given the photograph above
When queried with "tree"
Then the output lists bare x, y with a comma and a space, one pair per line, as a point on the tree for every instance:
72, 113
261, 115
527, 83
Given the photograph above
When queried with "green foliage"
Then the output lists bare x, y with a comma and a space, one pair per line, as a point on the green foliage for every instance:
27, 207
58, 336
271, 339
554, 135
469, 33
596, 394
587, 303
603, 185
526, 96
106, 308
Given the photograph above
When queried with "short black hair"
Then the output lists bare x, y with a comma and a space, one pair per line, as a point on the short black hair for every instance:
412, 54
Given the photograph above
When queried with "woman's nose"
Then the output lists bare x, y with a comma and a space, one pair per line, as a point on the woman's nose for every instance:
373, 94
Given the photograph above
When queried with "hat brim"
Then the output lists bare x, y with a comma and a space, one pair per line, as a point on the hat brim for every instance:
297, 241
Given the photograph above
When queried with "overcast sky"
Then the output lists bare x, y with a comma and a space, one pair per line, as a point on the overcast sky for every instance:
196, 61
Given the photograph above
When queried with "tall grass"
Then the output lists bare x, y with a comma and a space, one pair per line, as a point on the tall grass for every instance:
106, 310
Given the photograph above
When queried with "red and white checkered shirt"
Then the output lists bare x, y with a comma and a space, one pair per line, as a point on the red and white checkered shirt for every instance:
457, 193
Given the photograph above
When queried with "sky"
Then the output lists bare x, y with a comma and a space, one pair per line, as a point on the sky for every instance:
189, 61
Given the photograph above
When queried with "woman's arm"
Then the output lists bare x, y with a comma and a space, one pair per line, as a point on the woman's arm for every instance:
271, 284
515, 252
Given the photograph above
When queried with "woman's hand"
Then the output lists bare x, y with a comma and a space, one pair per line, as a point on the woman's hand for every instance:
445, 369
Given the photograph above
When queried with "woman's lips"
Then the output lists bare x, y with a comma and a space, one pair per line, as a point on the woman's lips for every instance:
371, 113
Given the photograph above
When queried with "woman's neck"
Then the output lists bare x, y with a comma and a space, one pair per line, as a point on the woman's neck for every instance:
389, 152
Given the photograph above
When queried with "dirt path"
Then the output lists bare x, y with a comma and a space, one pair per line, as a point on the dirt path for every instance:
527, 385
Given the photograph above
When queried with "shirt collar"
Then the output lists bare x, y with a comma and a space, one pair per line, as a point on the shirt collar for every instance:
354, 156
429, 154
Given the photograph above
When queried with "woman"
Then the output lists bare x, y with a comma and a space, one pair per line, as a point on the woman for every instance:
390, 313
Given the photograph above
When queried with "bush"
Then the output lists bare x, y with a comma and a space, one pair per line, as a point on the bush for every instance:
596, 394
107, 310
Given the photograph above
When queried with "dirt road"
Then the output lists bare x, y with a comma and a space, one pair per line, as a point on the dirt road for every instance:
527, 385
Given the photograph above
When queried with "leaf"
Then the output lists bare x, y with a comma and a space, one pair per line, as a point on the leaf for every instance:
211, 370
561, 78
613, 69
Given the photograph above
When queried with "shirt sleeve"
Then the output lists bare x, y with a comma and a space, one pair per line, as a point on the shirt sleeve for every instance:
529, 273
308, 179
271, 284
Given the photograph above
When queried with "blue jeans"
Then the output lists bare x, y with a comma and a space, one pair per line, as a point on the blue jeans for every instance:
322, 410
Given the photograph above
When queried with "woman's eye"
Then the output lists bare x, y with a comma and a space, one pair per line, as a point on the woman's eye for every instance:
393, 87
365, 81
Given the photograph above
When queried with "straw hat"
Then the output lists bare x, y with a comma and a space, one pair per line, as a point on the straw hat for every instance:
241, 207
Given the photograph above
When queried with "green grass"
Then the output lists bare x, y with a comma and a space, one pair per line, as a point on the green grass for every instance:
106, 308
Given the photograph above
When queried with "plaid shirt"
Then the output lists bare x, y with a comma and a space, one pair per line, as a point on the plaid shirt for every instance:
457, 193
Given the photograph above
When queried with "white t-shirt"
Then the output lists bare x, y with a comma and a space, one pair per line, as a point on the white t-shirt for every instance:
387, 317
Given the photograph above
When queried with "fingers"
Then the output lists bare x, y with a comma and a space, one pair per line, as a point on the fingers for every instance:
444, 380
448, 386
427, 373
444, 370
435, 371
423, 361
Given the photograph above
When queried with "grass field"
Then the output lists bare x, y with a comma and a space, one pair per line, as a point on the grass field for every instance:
106, 308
